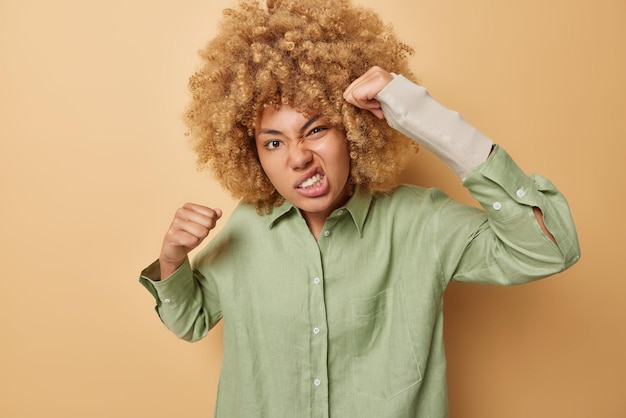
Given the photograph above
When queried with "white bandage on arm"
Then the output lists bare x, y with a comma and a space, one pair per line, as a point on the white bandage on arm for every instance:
410, 110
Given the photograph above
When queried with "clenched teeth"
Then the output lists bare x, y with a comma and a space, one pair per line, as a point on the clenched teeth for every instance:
313, 181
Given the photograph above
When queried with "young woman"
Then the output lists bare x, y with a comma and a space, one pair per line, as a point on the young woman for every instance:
330, 280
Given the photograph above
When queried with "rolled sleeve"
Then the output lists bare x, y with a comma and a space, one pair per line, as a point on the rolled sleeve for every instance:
180, 301
171, 290
508, 196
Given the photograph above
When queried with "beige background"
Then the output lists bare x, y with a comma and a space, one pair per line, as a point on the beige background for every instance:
94, 163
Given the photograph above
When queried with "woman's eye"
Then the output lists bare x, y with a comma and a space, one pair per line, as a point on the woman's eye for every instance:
272, 144
317, 130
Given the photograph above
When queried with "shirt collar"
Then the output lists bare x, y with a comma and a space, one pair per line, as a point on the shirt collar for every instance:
357, 206
279, 212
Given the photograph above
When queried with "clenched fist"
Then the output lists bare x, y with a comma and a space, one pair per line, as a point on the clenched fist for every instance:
191, 225
361, 92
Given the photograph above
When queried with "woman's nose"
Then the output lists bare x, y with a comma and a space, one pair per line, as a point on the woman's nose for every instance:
300, 156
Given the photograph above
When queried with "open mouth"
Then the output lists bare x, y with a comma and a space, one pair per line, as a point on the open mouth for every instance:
316, 180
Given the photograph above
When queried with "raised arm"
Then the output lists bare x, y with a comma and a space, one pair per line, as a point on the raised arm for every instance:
442, 131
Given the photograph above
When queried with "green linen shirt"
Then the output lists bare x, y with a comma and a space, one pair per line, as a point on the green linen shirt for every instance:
351, 325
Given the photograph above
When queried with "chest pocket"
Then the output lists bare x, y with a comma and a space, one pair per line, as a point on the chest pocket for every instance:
384, 363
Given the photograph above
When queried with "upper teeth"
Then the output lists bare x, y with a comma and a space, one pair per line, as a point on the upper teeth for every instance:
310, 182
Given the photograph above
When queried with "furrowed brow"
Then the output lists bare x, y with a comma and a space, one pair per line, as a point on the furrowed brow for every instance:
302, 129
270, 132
308, 123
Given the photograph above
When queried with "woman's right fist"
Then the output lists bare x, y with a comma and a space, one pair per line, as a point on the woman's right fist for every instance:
191, 225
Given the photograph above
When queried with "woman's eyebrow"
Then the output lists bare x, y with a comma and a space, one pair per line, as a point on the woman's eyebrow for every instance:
270, 131
302, 129
308, 123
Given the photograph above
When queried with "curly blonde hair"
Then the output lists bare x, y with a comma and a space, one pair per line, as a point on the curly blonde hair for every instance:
303, 53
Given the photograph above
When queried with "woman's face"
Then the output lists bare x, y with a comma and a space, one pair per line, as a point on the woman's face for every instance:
306, 159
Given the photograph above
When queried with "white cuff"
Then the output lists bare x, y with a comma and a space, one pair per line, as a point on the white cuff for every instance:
410, 110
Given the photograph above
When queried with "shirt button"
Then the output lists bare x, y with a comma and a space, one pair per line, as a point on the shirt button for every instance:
316, 280
316, 330
167, 300
520, 193
317, 382
497, 205
326, 233
340, 212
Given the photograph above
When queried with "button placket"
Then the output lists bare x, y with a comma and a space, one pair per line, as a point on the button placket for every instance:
317, 373
318, 341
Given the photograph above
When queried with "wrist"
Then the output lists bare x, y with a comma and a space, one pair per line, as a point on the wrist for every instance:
168, 267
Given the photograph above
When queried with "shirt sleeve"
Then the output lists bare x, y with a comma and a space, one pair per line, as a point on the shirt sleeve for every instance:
186, 302
503, 243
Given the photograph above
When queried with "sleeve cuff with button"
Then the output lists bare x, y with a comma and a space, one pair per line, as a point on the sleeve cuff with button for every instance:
168, 291
514, 192
186, 302
508, 195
